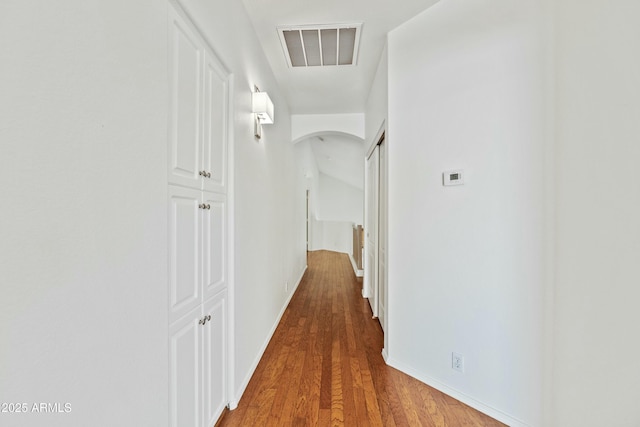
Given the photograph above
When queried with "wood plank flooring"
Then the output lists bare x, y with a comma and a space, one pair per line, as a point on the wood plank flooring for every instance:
324, 367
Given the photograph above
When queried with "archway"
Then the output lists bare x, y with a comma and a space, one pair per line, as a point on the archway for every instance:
331, 165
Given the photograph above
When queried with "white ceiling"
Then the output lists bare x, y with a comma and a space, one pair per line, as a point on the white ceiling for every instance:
336, 89
340, 157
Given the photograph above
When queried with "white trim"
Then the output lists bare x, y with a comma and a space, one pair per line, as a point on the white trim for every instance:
231, 326
234, 403
368, 290
371, 193
458, 395
358, 273
376, 140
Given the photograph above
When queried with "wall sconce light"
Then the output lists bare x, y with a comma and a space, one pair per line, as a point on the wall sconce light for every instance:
262, 107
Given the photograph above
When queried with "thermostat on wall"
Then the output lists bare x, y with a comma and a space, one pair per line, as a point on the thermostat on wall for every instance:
452, 177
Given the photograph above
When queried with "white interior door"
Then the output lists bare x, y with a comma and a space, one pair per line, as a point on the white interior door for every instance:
215, 124
214, 248
186, 105
199, 231
382, 236
185, 372
371, 230
214, 360
184, 251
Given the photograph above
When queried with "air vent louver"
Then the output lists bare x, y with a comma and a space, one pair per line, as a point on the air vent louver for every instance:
320, 45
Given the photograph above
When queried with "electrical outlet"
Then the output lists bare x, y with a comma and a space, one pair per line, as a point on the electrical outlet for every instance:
457, 362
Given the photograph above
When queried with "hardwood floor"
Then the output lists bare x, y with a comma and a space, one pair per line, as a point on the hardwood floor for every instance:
324, 367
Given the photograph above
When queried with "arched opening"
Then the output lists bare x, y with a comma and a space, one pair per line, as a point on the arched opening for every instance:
332, 167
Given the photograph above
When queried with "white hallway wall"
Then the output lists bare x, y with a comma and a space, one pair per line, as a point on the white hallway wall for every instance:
377, 102
83, 313
339, 201
340, 205
83, 260
581, 218
308, 177
598, 209
467, 266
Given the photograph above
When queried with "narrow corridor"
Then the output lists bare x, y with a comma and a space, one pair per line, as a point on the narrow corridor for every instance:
324, 366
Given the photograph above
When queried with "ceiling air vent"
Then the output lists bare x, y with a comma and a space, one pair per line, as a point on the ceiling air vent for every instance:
320, 45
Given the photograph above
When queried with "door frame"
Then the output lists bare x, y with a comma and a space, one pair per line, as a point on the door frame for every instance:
370, 282
371, 289
382, 234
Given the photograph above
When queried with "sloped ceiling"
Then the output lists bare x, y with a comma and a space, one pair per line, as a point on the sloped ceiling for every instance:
340, 157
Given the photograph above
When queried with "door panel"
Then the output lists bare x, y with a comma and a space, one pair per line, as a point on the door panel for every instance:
215, 125
215, 355
185, 362
215, 244
186, 109
184, 251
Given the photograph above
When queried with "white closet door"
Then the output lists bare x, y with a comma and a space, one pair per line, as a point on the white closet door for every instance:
382, 237
371, 231
214, 359
185, 133
185, 370
214, 245
215, 125
184, 251
198, 140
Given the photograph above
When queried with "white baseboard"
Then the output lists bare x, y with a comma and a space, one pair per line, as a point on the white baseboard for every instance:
456, 394
359, 273
233, 404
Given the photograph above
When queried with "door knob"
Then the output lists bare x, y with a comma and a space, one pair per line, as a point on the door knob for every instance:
204, 320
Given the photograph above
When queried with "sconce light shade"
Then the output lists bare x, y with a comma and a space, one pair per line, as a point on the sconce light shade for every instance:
262, 107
